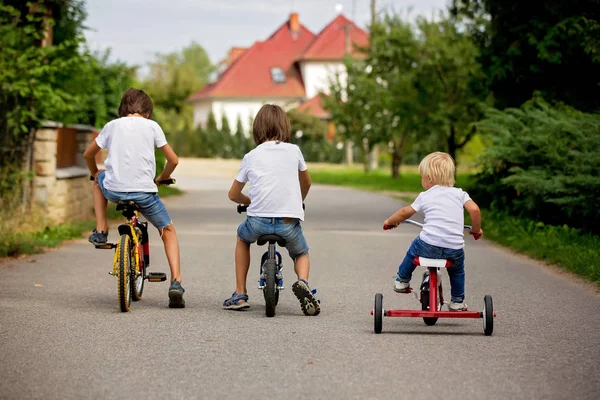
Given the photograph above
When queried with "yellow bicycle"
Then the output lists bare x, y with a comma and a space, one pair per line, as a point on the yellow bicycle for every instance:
132, 255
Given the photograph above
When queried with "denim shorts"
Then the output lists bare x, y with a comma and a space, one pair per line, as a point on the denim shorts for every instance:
291, 231
149, 203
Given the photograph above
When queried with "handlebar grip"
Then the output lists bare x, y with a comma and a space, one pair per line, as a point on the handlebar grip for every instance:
241, 208
92, 177
387, 227
476, 236
167, 182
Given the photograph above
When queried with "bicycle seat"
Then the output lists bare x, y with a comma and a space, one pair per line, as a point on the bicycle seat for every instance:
432, 262
127, 205
271, 239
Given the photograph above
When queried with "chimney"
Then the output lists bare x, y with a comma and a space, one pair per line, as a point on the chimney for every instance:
294, 23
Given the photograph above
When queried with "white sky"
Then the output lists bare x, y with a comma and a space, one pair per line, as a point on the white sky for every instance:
136, 29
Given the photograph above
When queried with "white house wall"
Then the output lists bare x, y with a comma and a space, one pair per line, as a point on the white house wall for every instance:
201, 110
317, 75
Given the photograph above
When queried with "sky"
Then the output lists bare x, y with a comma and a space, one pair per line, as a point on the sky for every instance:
135, 30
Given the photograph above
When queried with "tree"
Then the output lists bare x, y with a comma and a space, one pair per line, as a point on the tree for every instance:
240, 142
550, 46
30, 70
450, 83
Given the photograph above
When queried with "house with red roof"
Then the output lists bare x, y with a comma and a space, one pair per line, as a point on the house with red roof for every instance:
290, 68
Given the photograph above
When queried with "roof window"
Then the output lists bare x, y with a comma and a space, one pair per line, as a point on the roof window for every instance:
277, 75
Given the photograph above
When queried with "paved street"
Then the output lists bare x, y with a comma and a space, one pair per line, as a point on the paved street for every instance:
63, 337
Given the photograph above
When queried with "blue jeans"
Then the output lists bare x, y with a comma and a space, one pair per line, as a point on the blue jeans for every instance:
149, 203
456, 272
290, 230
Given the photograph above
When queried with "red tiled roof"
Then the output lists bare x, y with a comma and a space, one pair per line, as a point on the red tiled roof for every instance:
250, 74
330, 43
314, 107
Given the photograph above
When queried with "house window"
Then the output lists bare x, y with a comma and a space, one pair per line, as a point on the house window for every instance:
278, 75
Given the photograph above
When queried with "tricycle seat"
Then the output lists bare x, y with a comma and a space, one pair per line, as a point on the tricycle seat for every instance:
432, 262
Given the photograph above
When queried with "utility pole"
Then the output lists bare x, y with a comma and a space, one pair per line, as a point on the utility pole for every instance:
374, 154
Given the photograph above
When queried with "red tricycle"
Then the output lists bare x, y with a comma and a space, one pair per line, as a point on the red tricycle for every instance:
431, 294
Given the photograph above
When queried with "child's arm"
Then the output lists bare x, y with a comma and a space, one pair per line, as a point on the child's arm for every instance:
475, 213
172, 161
90, 158
236, 195
399, 216
305, 182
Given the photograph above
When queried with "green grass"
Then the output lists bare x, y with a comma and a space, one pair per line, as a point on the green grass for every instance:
566, 247
18, 238
378, 180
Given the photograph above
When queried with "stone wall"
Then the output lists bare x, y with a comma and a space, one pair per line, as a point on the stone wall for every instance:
65, 194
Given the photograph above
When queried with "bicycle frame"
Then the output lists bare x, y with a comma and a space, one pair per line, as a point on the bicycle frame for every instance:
129, 229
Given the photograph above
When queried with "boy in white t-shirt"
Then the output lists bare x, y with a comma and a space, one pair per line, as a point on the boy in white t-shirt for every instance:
442, 235
279, 183
129, 175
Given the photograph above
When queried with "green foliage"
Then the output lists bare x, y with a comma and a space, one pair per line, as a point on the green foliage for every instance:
28, 84
419, 88
173, 78
551, 47
566, 247
542, 164
310, 134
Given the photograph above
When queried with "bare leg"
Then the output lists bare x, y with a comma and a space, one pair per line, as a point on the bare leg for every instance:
242, 265
100, 204
169, 238
302, 267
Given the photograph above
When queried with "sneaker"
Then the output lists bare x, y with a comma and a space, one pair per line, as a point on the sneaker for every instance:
401, 287
309, 303
458, 306
97, 238
176, 295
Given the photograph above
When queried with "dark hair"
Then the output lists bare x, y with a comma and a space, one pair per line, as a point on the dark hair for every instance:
271, 123
135, 101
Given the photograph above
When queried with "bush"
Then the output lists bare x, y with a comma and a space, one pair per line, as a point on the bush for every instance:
542, 164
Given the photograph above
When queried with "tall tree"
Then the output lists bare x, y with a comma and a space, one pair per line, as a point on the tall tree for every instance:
547, 46
450, 82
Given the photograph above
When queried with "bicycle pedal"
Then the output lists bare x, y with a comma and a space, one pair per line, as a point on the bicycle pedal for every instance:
280, 287
105, 246
156, 277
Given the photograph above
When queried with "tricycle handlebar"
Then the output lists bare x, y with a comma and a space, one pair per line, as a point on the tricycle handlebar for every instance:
420, 225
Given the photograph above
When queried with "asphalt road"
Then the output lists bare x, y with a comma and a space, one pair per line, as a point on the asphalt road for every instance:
63, 337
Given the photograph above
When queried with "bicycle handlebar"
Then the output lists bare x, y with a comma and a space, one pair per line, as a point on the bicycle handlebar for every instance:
411, 222
164, 182
243, 208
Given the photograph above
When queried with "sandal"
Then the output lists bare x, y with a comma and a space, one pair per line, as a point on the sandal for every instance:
236, 302
308, 301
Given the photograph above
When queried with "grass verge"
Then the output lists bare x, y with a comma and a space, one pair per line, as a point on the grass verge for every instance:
21, 234
569, 248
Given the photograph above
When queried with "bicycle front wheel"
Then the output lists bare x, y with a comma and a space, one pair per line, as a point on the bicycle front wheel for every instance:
124, 260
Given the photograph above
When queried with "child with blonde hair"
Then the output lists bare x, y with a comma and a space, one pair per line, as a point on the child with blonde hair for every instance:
279, 183
442, 234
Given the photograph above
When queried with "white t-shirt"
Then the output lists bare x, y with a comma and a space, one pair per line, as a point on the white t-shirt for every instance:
130, 165
444, 216
272, 169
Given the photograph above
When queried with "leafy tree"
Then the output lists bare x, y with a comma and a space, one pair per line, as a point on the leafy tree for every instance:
29, 73
547, 46
174, 76
450, 83
240, 142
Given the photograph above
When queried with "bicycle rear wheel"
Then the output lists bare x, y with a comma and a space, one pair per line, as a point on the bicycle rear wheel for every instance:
270, 290
124, 260
137, 282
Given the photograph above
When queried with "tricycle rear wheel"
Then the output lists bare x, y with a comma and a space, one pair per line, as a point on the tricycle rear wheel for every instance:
488, 315
378, 313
